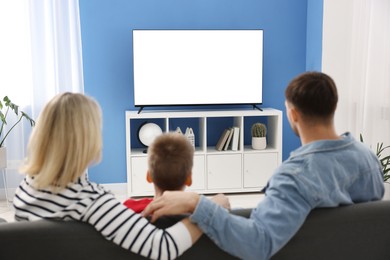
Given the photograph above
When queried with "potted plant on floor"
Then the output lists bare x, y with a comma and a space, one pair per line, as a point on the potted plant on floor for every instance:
385, 161
6, 106
259, 132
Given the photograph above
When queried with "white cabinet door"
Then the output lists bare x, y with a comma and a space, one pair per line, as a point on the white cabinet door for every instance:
139, 184
258, 168
198, 179
224, 171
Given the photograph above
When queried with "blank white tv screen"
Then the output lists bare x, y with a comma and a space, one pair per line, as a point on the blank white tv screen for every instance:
197, 67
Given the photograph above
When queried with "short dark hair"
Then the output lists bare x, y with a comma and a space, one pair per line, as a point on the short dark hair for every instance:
170, 161
314, 94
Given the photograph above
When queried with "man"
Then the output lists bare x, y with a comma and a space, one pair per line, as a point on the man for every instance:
328, 170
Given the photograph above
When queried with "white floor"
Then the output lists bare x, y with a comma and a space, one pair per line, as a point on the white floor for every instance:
247, 200
6, 211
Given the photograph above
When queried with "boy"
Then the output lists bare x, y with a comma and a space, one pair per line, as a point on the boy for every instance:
170, 160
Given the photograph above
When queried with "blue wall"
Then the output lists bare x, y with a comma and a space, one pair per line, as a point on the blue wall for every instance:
314, 35
290, 44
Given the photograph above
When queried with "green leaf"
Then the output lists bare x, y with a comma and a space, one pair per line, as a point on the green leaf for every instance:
32, 122
385, 161
3, 116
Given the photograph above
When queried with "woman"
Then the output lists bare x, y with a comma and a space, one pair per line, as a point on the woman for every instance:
65, 141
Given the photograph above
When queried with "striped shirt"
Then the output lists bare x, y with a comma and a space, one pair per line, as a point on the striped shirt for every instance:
91, 203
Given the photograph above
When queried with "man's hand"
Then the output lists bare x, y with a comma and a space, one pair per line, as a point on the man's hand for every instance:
221, 200
172, 203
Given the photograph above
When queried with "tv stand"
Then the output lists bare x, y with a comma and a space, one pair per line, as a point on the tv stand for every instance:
256, 107
140, 109
226, 171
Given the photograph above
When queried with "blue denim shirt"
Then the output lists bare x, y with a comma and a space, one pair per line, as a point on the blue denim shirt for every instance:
325, 173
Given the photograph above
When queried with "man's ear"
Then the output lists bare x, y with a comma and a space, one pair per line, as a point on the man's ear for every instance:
290, 112
188, 181
294, 113
149, 177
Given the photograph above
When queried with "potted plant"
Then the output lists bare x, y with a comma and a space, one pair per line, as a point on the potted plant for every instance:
5, 107
385, 161
259, 132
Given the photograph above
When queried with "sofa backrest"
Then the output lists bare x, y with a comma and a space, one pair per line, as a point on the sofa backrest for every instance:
360, 231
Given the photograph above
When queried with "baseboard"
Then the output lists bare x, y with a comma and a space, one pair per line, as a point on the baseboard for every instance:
119, 189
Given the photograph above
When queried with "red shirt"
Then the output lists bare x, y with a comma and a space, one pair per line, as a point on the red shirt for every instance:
137, 205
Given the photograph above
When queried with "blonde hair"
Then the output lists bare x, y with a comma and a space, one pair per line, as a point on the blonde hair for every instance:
170, 160
65, 141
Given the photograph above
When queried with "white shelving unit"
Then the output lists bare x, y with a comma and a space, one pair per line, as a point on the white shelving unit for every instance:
244, 170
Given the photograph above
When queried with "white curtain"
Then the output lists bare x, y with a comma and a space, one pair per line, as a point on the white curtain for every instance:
56, 49
40, 52
356, 53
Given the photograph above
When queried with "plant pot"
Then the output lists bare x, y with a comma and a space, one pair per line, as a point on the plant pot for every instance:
259, 143
3, 157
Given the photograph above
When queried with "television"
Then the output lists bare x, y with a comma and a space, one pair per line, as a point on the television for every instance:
197, 67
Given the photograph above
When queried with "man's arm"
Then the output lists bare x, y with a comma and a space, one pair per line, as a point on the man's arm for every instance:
179, 202
271, 225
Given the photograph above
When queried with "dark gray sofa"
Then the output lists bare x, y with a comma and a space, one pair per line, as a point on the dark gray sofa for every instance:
360, 231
